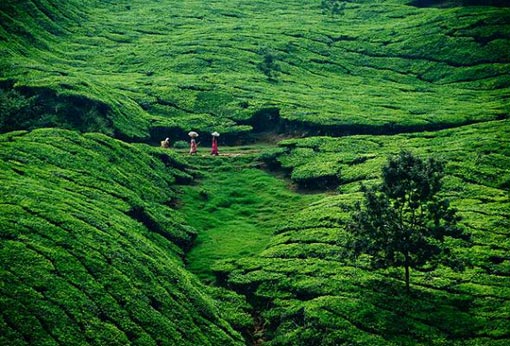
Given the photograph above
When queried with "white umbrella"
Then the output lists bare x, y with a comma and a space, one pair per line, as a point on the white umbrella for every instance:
215, 134
192, 134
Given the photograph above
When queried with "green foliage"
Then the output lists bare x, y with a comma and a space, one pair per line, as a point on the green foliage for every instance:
16, 110
453, 3
46, 109
306, 291
269, 65
235, 207
90, 251
180, 145
233, 306
363, 73
333, 7
402, 221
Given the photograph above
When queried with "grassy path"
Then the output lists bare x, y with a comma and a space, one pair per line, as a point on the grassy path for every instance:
235, 207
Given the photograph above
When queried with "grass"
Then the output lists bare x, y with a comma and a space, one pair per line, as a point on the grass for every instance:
235, 206
309, 294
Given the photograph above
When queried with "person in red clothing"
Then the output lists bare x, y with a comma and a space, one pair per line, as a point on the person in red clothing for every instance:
193, 145
214, 150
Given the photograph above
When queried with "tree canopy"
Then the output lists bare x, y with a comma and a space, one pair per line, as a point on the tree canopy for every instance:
404, 221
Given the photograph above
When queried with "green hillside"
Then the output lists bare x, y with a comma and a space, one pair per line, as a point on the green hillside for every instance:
91, 253
106, 239
150, 67
311, 295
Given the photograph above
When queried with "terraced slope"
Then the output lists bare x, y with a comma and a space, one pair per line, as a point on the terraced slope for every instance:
91, 253
167, 66
310, 294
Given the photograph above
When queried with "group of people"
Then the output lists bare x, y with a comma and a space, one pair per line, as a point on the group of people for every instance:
194, 145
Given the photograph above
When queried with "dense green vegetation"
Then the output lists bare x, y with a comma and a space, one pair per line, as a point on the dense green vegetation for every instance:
156, 66
90, 251
402, 221
311, 295
106, 240
237, 206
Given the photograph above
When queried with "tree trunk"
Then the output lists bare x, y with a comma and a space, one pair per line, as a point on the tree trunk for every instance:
406, 265
407, 279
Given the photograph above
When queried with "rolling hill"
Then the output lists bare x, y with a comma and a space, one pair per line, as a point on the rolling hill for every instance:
151, 67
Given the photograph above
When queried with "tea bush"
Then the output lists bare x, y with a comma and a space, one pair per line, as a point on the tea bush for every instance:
90, 251
377, 67
310, 290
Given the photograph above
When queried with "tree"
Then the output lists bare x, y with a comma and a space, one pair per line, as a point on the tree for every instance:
16, 110
333, 7
269, 65
403, 221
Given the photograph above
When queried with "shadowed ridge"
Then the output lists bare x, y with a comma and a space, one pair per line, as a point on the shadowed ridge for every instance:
33, 32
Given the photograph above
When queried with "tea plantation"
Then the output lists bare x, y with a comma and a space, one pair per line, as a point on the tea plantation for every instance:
140, 68
107, 239
91, 252
310, 294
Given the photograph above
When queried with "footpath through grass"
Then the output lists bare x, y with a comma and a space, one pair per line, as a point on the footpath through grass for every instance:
235, 207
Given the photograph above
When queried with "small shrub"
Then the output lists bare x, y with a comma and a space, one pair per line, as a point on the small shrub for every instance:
181, 145
333, 7
269, 65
